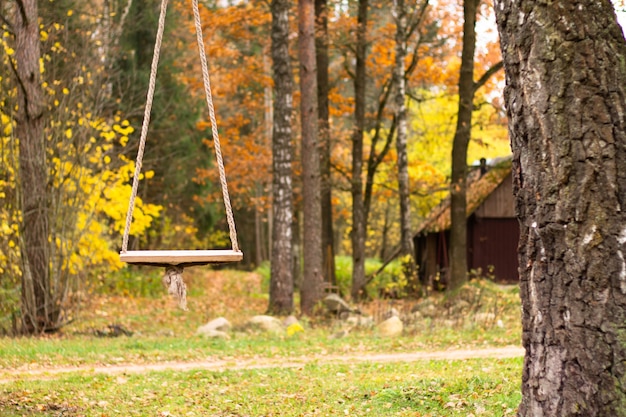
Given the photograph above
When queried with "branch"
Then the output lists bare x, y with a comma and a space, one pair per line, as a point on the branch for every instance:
485, 77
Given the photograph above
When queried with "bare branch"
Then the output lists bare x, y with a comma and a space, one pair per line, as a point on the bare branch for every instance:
485, 77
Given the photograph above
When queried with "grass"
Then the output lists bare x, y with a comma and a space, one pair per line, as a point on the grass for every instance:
482, 314
437, 388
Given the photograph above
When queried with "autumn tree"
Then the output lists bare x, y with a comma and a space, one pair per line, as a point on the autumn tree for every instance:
565, 98
238, 38
39, 312
311, 290
69, 185
281, 279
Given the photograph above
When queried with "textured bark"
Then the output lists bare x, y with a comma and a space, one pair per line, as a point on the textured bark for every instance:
281, 281
321, 57
311, 291
458, 185
406, 236
38, 312
359, 223
565, 64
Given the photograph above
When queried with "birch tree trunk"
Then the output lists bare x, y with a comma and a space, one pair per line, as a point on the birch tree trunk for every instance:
311, 291
565, 64
38, 312
281, 280
406, 237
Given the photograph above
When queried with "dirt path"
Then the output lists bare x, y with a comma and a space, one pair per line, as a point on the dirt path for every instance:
7, 376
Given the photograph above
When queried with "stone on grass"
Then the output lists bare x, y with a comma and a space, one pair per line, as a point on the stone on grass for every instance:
391, 327
358, 320
265, 323
214, 334
335, 304
220, 324
289, 320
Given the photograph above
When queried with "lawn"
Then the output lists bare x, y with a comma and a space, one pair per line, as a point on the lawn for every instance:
318, 385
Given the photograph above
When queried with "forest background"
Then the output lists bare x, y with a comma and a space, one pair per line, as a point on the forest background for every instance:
95, 62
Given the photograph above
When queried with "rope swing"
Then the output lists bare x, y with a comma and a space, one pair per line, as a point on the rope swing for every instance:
175, 261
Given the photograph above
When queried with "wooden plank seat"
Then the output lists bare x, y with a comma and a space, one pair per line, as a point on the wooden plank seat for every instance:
181, 258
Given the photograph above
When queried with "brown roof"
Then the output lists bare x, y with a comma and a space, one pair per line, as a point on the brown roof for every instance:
478, 189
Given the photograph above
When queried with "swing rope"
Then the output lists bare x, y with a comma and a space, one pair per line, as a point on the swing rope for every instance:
172, 278
146, 121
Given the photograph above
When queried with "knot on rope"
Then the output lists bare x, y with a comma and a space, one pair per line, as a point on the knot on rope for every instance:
173, 281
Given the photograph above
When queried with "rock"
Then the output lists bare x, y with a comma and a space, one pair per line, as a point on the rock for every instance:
340, 334
265, 323
335, 304
391, 313
289, 320
391, 327
114, 330
214, 334
219, 324
357, 320
426, 308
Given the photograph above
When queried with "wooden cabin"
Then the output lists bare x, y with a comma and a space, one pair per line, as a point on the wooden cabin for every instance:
492, 228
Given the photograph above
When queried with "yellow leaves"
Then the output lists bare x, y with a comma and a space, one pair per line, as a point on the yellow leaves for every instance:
68, 133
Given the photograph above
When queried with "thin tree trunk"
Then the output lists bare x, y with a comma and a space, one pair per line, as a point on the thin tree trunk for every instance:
321, 56
358, 207
406, 237
281, 281
38, 313
566, 103
458, 186
311, 291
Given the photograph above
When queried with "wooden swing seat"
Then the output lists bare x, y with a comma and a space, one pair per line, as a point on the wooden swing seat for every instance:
182, 258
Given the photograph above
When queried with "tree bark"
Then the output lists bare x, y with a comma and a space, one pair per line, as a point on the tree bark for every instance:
406, 237
281, 280
321, 57
38, 313
566, 100
311, 291
359, 224
458, 184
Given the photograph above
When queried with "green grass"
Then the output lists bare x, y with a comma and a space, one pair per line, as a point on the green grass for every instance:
435, 388
90, 350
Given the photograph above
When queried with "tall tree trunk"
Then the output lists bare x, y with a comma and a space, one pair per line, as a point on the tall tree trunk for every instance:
358, 207
458, 185
281, 280
321, 57
311, 291
406, 237
566, 102
38, 313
